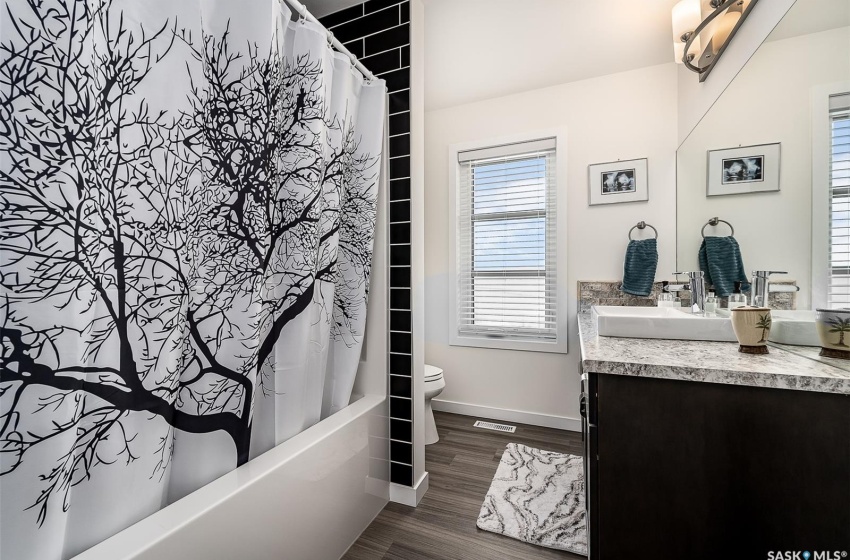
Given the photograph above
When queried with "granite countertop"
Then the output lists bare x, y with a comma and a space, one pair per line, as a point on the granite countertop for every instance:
711, 362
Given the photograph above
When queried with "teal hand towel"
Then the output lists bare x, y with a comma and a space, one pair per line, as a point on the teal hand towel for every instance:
639, 267
720, 260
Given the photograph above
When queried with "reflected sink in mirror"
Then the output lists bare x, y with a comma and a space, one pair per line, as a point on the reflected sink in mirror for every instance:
791, 327
796, 328
662, 323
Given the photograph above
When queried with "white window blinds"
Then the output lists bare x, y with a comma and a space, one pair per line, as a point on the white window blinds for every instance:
506, 235
839, 193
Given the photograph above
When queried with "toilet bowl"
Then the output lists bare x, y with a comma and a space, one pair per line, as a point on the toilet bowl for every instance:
434, 385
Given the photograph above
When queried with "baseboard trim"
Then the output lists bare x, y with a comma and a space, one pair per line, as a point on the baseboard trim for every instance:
508, 415
409, 495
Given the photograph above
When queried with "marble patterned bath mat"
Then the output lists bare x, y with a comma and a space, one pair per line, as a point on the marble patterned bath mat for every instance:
537, 497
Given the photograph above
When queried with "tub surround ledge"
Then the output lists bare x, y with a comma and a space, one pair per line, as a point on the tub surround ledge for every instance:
710, 362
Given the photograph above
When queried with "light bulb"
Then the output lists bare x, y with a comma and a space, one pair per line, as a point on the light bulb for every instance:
686, 18
724, 28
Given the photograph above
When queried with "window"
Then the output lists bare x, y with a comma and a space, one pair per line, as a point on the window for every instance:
838, 294
506, 231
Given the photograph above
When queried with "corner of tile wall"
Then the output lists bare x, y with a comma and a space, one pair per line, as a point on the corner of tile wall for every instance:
378, 33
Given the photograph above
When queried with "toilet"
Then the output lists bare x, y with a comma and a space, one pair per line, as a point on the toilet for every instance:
434, 385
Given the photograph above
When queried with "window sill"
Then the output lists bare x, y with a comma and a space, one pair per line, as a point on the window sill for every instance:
557, 346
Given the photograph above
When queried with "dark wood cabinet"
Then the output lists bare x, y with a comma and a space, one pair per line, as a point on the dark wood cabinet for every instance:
692, 470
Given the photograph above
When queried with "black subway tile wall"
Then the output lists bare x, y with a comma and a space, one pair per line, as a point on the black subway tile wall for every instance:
342, 16
400, 255
393, 38
399, 123
400, 430
378, 33
400, 321
399, 233
401, 474
399, 212
400, 364
400, 144
356, 47
400, 299
376, 5
401, 386
400, 101
400, 277
400, 188
382, 62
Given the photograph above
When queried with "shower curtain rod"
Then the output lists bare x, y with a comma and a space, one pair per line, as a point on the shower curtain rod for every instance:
305, 13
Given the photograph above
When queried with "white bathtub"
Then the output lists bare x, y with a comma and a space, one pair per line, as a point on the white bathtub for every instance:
308, 498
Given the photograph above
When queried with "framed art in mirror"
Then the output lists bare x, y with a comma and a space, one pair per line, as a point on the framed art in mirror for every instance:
743, 170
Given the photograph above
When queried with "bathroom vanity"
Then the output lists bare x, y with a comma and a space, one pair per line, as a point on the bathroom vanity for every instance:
694, 450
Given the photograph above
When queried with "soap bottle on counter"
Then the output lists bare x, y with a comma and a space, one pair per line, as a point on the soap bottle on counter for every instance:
665, 298
711, 303
737, 299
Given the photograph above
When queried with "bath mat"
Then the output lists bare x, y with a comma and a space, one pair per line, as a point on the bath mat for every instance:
537, 497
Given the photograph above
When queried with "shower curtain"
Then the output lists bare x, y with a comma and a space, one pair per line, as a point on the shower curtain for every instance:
188, 194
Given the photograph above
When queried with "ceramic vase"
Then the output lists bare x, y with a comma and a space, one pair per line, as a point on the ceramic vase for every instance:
752, 327
834, 331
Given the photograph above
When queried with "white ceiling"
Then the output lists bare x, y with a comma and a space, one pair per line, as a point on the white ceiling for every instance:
479, 49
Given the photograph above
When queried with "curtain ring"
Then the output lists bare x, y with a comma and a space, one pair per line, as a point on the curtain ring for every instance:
331, 39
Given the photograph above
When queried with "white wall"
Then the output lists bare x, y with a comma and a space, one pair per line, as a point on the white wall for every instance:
769, 101
695, 98
619, 116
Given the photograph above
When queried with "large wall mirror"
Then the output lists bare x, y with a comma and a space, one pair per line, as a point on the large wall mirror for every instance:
772, 158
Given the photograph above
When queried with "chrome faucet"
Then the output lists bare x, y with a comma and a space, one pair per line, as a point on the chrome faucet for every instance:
696, 285
760, 287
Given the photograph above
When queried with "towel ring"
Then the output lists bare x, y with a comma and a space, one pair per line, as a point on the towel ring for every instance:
642, 225
713, 222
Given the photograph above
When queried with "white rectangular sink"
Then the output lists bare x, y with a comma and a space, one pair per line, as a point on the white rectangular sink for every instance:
794, 327
661, 322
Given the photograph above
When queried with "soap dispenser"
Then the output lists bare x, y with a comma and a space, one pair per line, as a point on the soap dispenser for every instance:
711, 304
737, 299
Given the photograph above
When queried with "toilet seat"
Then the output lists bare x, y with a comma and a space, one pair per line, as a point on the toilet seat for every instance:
433, 386
433, 373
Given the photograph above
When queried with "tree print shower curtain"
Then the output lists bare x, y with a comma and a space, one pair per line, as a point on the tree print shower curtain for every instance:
188, 195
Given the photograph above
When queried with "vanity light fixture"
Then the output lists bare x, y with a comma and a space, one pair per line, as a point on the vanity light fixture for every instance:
703, 28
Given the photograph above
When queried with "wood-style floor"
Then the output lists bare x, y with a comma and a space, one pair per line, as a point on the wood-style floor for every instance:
460, 466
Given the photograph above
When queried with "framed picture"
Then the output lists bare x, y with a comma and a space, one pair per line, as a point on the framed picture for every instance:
748, 169
618, 181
